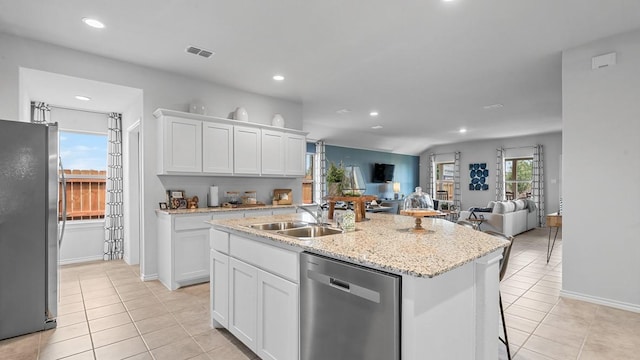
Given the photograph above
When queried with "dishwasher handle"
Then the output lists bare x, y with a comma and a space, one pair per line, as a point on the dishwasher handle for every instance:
338, 283
353, 289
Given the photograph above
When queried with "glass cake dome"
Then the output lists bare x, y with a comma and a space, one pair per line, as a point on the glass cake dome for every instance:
418, 200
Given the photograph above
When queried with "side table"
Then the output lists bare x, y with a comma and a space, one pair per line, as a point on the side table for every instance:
476, 222
553, 221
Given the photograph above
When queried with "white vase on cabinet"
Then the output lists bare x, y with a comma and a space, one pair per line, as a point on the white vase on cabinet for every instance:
241, 114
277, 121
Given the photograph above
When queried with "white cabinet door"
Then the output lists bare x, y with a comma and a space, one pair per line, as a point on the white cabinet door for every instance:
295, 152
182, 145
273, 152
277, 318
191, 259
246, 150
220, 288
217, 148
243, 302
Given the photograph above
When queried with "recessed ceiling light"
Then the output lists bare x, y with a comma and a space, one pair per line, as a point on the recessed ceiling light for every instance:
278, 77
462, 130
376, 127
373, 113
492, 106
93, 23
83, 98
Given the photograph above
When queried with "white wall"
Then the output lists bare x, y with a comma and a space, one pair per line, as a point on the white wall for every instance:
601, 160
484, 151
161, 90
82, 241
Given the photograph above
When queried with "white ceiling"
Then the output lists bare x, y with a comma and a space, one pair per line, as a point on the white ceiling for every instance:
429, 67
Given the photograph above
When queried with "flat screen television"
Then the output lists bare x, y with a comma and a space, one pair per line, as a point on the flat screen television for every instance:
382, 173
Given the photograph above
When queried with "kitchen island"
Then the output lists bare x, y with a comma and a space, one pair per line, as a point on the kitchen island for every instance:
449, 291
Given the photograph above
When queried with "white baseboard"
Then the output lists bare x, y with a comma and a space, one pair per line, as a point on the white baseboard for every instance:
80, 260
601, 301
151, 277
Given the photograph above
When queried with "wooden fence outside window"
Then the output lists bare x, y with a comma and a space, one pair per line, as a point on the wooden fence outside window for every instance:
86, 192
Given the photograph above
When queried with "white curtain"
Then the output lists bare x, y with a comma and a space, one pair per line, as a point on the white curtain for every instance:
538, 182
500, 154
320, 173
457, 201
40, 112
431, 186
114, 227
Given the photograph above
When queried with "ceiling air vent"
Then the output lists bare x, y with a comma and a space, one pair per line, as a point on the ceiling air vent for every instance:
199, 51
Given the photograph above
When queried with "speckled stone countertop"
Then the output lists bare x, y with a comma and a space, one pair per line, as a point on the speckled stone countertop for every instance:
385, 242
223, 209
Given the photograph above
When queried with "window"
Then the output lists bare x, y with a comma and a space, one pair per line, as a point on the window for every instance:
445, 181
518, 178
307, 181
84, 157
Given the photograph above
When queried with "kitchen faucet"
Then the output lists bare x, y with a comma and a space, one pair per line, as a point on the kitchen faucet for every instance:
317, 215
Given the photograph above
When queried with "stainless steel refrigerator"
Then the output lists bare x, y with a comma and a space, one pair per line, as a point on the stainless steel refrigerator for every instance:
28, 227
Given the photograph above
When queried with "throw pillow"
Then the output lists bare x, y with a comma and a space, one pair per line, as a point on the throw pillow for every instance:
498, 208
520, 205
491, 204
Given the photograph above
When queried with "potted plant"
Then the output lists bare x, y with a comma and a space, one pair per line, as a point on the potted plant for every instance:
335, 174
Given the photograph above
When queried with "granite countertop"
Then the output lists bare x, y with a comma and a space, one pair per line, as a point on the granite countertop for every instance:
223, 209
385, 242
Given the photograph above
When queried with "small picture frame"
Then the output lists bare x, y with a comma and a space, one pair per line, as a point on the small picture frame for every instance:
163, 206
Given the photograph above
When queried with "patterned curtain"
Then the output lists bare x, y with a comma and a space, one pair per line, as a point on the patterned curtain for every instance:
431, 186
114, 230
500, 154
320, 173
538, 182
457, 201
40, 112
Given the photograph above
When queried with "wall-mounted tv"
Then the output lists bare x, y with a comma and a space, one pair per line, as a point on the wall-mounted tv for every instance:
382, 173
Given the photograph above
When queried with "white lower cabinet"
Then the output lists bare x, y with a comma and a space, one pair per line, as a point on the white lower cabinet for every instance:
243, 302
219, 282
191, 260
277, 322
261, 306
183, 249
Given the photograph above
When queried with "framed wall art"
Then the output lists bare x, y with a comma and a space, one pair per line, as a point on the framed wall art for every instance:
479, 174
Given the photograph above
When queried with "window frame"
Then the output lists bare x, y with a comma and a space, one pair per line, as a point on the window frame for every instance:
509, 184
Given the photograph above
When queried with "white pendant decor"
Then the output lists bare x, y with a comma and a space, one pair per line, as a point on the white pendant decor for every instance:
277, 121
241, 114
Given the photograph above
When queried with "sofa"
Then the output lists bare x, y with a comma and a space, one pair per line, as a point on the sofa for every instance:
510, 217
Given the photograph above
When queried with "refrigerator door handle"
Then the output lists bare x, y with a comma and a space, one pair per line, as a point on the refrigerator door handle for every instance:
64, 201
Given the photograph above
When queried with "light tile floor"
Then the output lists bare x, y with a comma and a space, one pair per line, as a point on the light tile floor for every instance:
106, 312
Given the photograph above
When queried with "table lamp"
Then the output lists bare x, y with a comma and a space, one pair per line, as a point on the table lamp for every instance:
396, 190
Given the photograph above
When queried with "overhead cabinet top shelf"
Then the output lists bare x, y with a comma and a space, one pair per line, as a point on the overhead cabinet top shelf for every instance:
186, 115
193, 144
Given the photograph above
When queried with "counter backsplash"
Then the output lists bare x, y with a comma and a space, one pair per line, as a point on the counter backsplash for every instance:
199, 186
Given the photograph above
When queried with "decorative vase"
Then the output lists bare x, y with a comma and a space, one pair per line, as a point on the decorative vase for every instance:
241, 114
277, 121
334, 189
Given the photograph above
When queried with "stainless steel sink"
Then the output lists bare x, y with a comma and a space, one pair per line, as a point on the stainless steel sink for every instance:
279, 225
310, 232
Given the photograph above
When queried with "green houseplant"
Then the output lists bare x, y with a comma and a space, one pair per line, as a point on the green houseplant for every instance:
335, 174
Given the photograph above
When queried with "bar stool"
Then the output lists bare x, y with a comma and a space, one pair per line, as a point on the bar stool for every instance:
503, 269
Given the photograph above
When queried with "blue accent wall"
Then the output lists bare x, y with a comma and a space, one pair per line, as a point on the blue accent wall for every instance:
406, 170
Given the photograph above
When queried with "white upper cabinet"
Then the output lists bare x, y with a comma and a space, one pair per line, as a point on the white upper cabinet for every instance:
217, 142
295, 151
273, 146
246, 150
182, 145
193, 144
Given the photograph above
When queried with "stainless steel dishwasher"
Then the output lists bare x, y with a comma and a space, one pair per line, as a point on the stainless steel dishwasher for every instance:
347, 311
